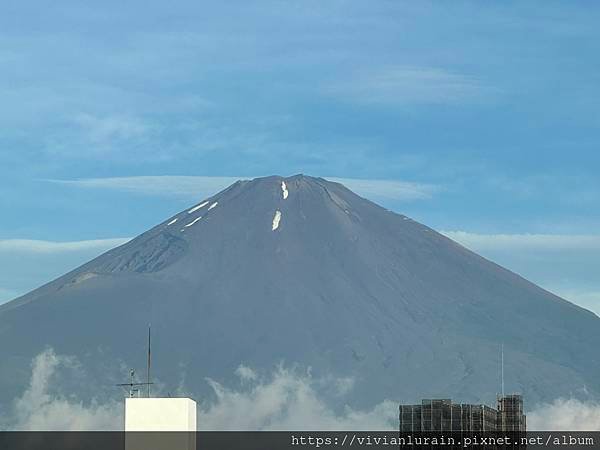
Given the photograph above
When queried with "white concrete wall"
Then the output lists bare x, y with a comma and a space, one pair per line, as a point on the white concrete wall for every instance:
160, 414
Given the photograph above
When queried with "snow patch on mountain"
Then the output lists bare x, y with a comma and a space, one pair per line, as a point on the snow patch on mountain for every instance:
276, 220
196, 208
284, 190
193, 221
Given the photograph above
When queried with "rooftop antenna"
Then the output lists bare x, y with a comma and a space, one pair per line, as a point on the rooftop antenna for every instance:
133, 386
502, 367
148, 383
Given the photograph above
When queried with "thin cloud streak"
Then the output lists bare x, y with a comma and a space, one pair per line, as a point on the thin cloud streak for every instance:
563, 264
199, 186
7, 294
587, 299
46, 247
411, 86
110, 128
560, 242
390, 189
162, 185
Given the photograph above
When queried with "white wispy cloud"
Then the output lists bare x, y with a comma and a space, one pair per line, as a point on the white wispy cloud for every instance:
7, 294
163, 185
479, 242
285, 399
41, 246
389, 189
113, 127
29, 263
589, 299
411, 85
246, 373
201, 186
564, 264
565, 415
39, 408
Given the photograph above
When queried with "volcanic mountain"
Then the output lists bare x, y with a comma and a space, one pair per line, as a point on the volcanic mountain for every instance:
304, 272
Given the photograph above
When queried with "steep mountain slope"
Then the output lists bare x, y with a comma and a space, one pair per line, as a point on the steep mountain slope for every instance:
302, 270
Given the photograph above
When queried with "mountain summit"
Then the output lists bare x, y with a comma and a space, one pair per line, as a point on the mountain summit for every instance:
303, 271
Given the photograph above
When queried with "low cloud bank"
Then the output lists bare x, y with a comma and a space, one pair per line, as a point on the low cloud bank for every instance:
286, 399
40, 408
565, 415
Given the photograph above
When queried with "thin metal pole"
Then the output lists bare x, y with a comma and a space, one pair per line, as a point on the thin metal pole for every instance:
502, 369
149, 359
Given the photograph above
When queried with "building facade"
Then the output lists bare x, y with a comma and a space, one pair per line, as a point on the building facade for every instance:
510, 413
434, 415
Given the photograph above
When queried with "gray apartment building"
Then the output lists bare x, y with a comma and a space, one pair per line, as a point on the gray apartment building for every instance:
510, 413
443, 415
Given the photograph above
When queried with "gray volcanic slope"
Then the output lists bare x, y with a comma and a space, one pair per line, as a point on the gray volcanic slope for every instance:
341, 285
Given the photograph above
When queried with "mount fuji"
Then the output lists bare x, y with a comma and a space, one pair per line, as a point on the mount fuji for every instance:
302, 271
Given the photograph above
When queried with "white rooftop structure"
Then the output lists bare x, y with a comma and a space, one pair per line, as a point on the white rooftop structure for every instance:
160, 414
150, 423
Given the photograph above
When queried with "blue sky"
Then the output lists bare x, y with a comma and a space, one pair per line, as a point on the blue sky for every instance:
478, 119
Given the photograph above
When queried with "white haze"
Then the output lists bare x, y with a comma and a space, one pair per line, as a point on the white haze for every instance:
286, 399
41, 409
565, 415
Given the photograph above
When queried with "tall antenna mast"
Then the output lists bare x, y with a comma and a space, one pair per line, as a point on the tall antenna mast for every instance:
149, 359
135, 388
501, 367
